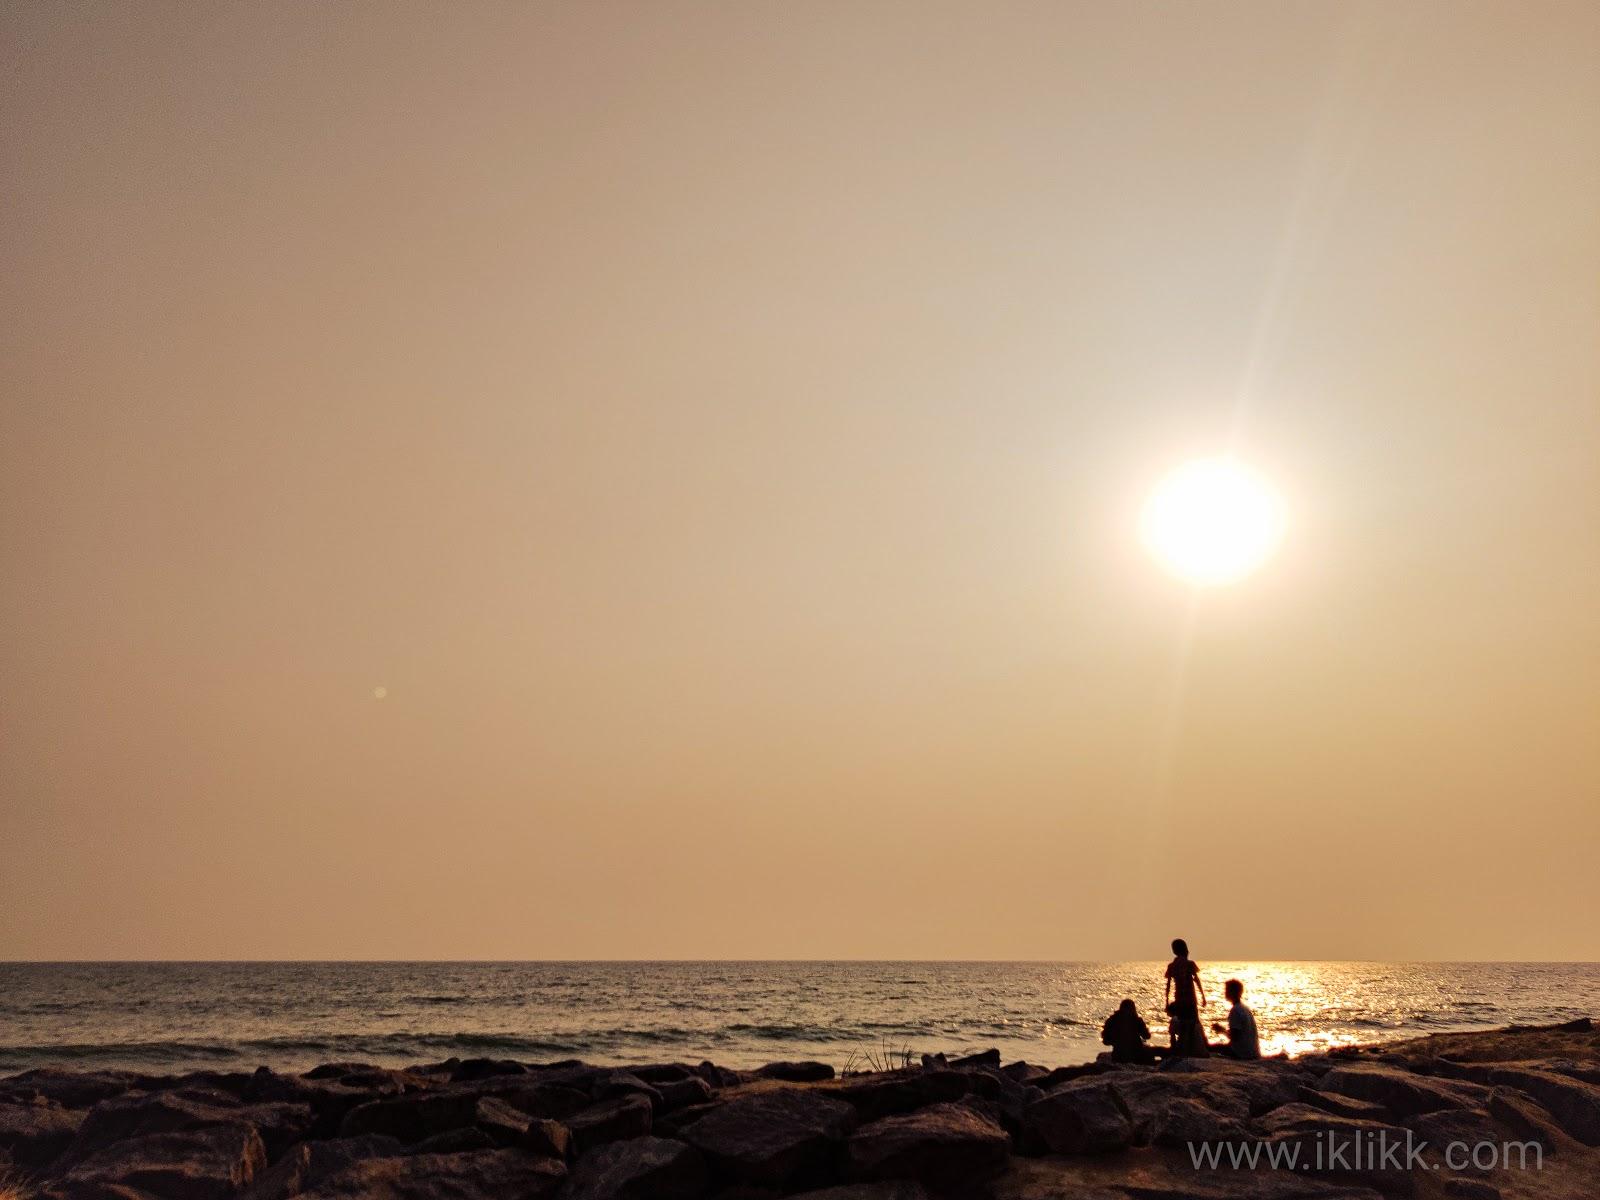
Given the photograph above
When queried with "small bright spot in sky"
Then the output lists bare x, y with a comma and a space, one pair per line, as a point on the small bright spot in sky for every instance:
379, 692
1212, 521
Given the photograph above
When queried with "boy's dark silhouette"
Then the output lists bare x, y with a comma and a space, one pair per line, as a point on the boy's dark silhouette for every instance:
1126, 1033
1243, 1040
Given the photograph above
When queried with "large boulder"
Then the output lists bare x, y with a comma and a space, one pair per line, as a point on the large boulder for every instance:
1262, 1085
327, 1099
1525, 1119
1463, 1127
641, 1168
1188, 1122
875, 1096
1402, 1093
624, 1083
69, 1089
987, 1059
138, 1114
659, 1073
535, 1095
202, 1164
796, 1072
681, 1093
941, 1144
33, 1135
1058, 1076
308, 1164
1080, 1118
1368, 1153
416, 1118
1573, 1103
625, 1116
1341, 1106
465, 1070
1024, 1072
548, 1139
783, 1138
454, 1141
477, 1175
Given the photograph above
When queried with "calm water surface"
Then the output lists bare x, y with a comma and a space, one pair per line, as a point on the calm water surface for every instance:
181, 1016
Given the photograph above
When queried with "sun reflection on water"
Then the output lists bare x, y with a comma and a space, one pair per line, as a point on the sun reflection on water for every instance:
1301, 1008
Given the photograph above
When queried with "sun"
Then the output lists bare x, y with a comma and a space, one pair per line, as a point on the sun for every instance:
1212, 522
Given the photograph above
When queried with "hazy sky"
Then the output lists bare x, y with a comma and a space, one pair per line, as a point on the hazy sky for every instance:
721, 429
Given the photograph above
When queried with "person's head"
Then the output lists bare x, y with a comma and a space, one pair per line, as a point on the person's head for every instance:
1233, 990
1129, 1007
1180, 947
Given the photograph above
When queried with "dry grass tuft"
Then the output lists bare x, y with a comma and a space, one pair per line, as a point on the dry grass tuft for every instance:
878, 1061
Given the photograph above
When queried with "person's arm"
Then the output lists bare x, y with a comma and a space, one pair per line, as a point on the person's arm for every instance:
1200, 986
1166, 998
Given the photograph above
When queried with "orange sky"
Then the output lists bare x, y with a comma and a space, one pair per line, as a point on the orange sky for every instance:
721, 428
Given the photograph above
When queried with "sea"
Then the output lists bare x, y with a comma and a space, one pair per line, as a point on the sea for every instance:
174, 1017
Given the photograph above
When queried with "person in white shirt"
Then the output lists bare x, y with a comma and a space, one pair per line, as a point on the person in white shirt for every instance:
1243, 1041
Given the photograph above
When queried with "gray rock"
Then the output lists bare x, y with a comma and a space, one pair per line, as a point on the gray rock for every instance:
875, 1096
641, 1168
622, 1083
983, 1058
1024, 1072
941, 1144
417, 1118
477, 1175
1080, 1118
203, 1164
531, 1094
33, 1135
1341, 1147
620, 1117
659, 1073
1342, 1106
784, 1138
1187, 1121
484, 1068
682, 1093
308, 1164
1526, 1120
1402, 1093
454, 1141
1573, 1103
548, 1139
796, 1072
70, 1089
1466, 1127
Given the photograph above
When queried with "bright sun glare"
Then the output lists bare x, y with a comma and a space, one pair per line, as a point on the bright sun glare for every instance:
1212, 521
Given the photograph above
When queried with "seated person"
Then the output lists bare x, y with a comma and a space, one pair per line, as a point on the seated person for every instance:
1243, 1041
1126, 1033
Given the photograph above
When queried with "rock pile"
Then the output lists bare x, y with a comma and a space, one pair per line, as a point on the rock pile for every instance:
485, 1129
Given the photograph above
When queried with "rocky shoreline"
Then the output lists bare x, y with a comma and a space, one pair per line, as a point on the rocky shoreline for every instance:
487, 1129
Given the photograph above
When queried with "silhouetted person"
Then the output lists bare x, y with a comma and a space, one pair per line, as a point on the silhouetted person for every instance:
1243, 1041
1126, 1033
1183, 985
